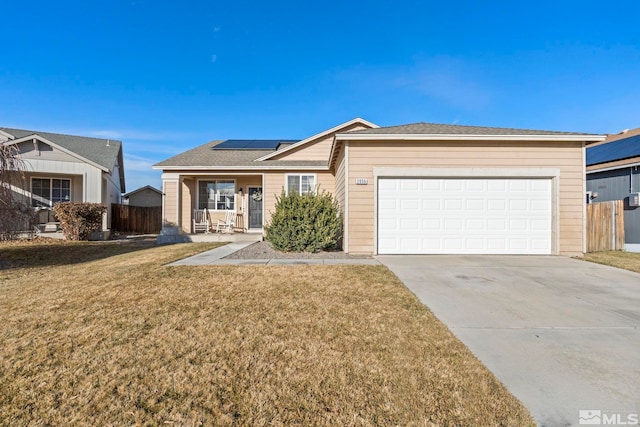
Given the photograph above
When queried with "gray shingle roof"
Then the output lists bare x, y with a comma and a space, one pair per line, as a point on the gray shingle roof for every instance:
423, 128
205, 156
146, 187
94, 149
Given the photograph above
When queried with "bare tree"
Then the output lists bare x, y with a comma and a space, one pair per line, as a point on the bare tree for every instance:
16, 215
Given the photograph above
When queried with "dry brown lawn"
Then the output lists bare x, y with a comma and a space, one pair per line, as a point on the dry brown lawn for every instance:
104, 334
619, 259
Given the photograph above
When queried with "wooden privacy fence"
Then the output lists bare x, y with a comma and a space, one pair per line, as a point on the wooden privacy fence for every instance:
136, 219
605, 226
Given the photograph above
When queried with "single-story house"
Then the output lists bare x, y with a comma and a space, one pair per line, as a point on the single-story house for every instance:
612, 174
420, 188
62, 168
146, 196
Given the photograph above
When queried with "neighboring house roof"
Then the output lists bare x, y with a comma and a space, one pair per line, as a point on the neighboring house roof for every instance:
616, 136
425, 129
207, 156
146, 187
105, 153
615, 152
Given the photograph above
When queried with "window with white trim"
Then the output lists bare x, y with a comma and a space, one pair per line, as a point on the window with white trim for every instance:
301, 184
217, 195
47, 191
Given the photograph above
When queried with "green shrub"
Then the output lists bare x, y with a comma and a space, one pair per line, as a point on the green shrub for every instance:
308, 222
78, 219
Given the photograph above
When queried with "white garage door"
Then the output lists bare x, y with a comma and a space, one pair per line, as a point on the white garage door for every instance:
464, 216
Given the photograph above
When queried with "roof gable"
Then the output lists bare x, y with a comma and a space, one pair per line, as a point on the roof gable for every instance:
101, 152
318, 136
105, 154
146, 187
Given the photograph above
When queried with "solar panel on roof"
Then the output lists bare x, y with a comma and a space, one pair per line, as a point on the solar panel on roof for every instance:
248, 144
616, 150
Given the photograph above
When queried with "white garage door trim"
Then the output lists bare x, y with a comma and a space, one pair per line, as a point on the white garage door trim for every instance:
513, 246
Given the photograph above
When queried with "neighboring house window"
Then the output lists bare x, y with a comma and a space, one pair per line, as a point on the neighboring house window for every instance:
45, 192
217, 195
301, 184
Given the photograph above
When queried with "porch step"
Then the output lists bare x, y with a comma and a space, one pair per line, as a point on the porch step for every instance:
51, 227
170, 235
224, 237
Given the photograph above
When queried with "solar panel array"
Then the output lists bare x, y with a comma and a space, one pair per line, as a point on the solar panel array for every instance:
250, 144
616, 150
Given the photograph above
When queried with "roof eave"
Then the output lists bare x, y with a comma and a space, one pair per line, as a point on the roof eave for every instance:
146, 187
596, 167
465, 137
241, 168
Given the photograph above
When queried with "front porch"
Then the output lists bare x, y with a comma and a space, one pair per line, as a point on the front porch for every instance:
205, 204
171, 234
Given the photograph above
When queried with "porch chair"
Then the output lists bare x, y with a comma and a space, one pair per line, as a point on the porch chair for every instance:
228, 224
200, 220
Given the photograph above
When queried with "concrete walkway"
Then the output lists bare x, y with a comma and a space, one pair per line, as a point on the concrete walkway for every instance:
563, 335
215, 257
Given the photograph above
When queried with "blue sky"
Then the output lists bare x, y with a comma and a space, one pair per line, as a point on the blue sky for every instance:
165, 76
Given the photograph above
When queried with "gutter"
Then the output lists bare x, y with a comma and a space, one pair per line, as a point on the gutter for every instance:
239, 168
628, 165
465, 137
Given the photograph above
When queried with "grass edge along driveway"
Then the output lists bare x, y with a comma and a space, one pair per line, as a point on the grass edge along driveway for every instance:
619, 259
96, 333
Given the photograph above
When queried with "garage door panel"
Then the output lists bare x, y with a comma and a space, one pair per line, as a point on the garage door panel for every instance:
498, 216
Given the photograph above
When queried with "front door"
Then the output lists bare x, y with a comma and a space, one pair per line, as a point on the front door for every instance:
255, 207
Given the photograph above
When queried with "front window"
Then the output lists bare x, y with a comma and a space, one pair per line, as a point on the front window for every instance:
217, 195
45, 192
301, 184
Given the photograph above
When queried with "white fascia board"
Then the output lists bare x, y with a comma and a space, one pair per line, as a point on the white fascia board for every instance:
240, 168
64, 150
611, 168
465, 137
6, 136
319, 135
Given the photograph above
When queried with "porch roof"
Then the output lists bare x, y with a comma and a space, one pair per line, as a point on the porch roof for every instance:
205, 156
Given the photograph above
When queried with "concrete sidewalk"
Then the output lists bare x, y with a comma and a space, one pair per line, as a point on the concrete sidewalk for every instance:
215, 257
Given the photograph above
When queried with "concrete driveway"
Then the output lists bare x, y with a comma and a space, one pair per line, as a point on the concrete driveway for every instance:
563, 335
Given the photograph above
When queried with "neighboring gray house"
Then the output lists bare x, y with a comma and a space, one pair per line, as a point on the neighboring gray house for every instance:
613, 174
146, 196
68, 168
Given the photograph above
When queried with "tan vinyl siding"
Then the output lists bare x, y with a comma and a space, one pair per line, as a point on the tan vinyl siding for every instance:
170, 203
274, 183
567, 157
340, 173
187, 194
316, 150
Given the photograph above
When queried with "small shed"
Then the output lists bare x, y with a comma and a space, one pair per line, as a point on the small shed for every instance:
613, 173
146, 196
